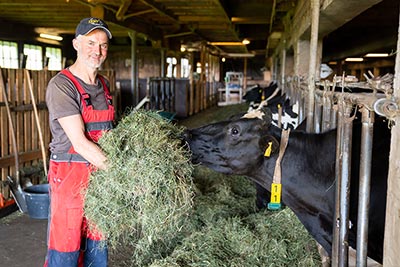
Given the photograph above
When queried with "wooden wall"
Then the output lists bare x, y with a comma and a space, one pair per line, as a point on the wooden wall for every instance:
23, 126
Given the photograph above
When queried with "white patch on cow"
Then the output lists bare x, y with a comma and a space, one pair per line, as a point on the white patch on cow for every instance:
287, 121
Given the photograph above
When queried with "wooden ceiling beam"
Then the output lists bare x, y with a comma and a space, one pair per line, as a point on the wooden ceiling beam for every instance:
161, 10
122, 9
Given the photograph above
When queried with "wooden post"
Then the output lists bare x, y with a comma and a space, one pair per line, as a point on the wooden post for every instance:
392, 228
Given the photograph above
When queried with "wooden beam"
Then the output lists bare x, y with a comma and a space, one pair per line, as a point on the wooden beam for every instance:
151, 31
22, 157
122, 9
161, 10
392, 227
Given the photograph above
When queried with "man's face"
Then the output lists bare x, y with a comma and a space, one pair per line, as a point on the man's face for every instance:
92, 48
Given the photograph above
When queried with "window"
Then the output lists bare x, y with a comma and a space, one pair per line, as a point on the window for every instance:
185, 68
8, 55
54, 57
34, 57
171, 70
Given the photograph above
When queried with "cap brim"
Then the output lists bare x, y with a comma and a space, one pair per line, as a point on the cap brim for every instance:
102, 28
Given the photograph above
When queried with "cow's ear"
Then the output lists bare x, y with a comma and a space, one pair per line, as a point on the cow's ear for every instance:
267, 115
269, 145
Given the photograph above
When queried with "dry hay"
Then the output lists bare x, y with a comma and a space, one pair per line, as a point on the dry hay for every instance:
223, 227
143, 198
228, 231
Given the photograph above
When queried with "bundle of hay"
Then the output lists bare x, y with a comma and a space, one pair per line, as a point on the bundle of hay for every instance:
144, 197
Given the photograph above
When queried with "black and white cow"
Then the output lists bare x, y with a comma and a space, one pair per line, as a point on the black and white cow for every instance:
272, 97
308, 171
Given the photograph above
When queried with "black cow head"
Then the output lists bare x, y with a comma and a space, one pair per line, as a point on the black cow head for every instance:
233, 147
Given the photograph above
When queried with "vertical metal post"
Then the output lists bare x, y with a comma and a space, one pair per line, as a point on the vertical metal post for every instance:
326, 113
162, 69
134, 72
334, 115
364, 189
345, 187
283, 66
317, 114
313, 62
338, 175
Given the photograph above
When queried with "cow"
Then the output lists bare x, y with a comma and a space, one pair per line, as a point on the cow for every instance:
308, 171
272, 96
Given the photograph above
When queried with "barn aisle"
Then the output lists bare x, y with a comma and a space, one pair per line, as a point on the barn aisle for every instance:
23, 241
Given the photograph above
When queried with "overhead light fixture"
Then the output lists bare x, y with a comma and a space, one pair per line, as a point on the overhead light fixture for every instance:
51, 37
223, 59
377, 55
245, 41
226, 43
240, 54
183, 49
354, 59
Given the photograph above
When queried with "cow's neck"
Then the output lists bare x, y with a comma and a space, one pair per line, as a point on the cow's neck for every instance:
308, 179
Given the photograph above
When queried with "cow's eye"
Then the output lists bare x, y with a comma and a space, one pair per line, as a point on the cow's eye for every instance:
234, 131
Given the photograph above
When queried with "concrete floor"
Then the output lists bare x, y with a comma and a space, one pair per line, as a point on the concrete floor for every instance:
23, 241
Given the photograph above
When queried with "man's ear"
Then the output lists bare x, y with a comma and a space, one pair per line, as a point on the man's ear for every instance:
268, 145
75, 44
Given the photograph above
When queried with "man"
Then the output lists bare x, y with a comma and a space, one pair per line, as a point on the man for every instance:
80, 110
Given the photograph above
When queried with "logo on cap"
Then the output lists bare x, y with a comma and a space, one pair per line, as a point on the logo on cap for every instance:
87, 25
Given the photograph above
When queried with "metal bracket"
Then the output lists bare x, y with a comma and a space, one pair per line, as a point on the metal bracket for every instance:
386, 107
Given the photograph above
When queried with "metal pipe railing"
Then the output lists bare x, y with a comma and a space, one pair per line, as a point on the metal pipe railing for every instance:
364, 188
344, 208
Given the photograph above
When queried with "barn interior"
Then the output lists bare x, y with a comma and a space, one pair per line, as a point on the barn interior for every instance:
206, 53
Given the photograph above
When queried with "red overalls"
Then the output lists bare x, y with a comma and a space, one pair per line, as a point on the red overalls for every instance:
69, 240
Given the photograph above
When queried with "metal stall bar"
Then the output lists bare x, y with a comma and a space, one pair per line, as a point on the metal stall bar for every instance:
317, 113
283, 67
340, 229
346, 147
338, 171
134, 69
315, 6
326, 113
365, 182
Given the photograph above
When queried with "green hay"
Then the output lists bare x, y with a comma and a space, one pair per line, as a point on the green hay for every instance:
145, 195
221, 227
227, 231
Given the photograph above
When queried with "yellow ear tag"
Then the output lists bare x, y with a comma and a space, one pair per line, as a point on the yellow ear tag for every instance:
268, 150
276, 190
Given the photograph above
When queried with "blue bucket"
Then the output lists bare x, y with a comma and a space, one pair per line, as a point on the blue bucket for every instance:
37, 201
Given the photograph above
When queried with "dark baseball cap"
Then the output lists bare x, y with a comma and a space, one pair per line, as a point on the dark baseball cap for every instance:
89, 24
